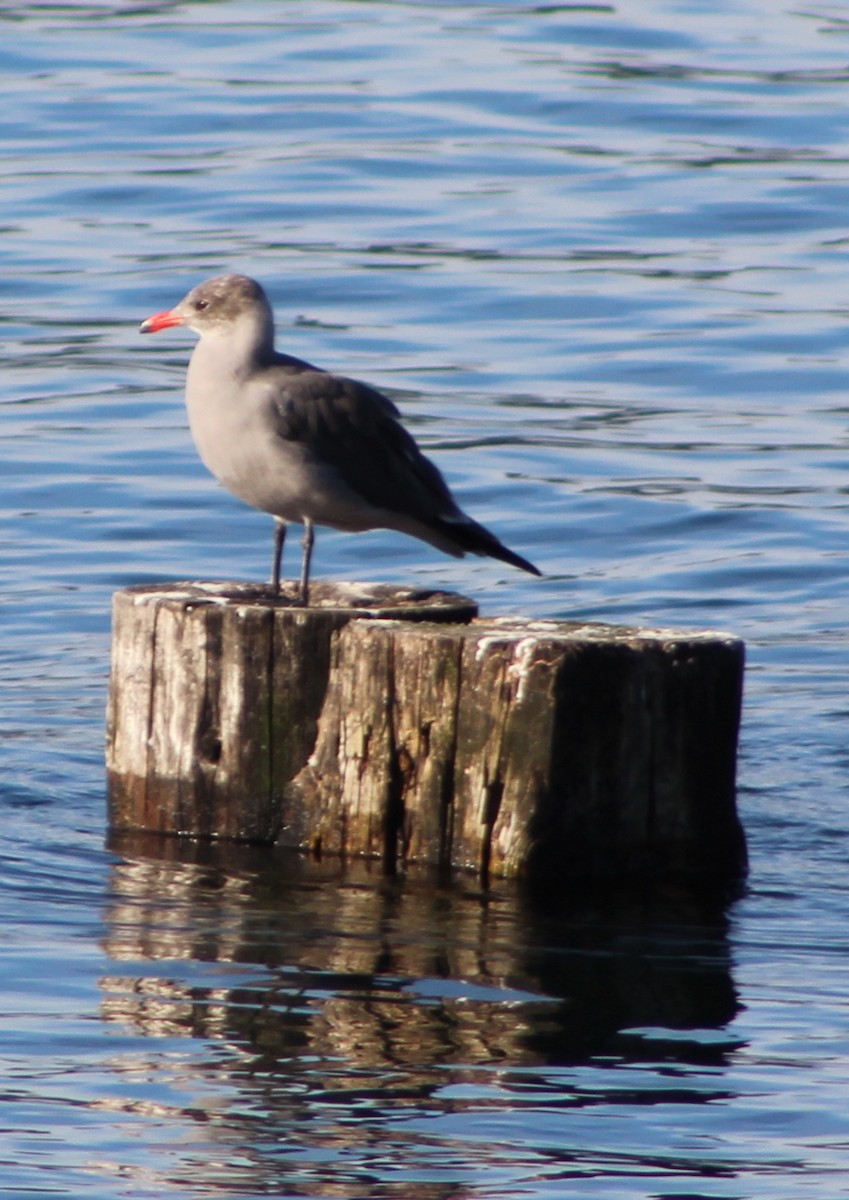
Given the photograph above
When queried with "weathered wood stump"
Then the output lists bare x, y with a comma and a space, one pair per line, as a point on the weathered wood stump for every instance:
215, 694
511, 747
528, 748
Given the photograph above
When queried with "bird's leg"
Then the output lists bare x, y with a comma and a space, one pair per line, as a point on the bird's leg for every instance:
309, 539
277, 560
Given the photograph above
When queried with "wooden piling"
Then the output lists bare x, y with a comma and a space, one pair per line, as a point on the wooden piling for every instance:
528, 747
215, 693
509, 747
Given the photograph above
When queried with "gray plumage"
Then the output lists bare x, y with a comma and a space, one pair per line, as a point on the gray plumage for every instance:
303, 444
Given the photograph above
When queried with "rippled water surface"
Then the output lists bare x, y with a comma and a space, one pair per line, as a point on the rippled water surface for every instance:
598, 254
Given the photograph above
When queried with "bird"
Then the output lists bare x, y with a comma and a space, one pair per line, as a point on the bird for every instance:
304, 444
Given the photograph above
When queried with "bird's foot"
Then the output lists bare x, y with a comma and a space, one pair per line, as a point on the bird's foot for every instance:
287, 593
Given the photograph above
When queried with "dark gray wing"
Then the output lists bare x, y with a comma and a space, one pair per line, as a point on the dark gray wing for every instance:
357, 431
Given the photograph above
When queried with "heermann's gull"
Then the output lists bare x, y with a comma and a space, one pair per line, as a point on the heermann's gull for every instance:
303, 444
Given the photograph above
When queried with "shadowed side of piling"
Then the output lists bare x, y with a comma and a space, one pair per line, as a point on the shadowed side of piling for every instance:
529, 748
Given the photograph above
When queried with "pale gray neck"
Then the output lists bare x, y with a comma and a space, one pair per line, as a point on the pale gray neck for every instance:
237, 349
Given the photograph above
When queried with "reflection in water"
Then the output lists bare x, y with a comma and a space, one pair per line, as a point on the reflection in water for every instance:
341, 1007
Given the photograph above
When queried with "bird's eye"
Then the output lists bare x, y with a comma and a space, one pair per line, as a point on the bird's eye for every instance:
200, 305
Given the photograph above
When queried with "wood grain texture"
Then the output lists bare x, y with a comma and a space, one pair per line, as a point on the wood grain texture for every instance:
529, 748
543, 749
215, 695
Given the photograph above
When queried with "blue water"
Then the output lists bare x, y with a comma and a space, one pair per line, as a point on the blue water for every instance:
598, 254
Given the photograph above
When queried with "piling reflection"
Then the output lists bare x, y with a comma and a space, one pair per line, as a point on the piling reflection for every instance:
406, 972
332, 1005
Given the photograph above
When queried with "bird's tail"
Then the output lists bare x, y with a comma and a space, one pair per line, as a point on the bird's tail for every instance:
467, 536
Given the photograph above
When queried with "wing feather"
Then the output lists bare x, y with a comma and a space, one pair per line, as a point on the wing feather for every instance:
357, 431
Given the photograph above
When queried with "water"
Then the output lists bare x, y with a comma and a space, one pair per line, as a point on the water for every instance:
598, 254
